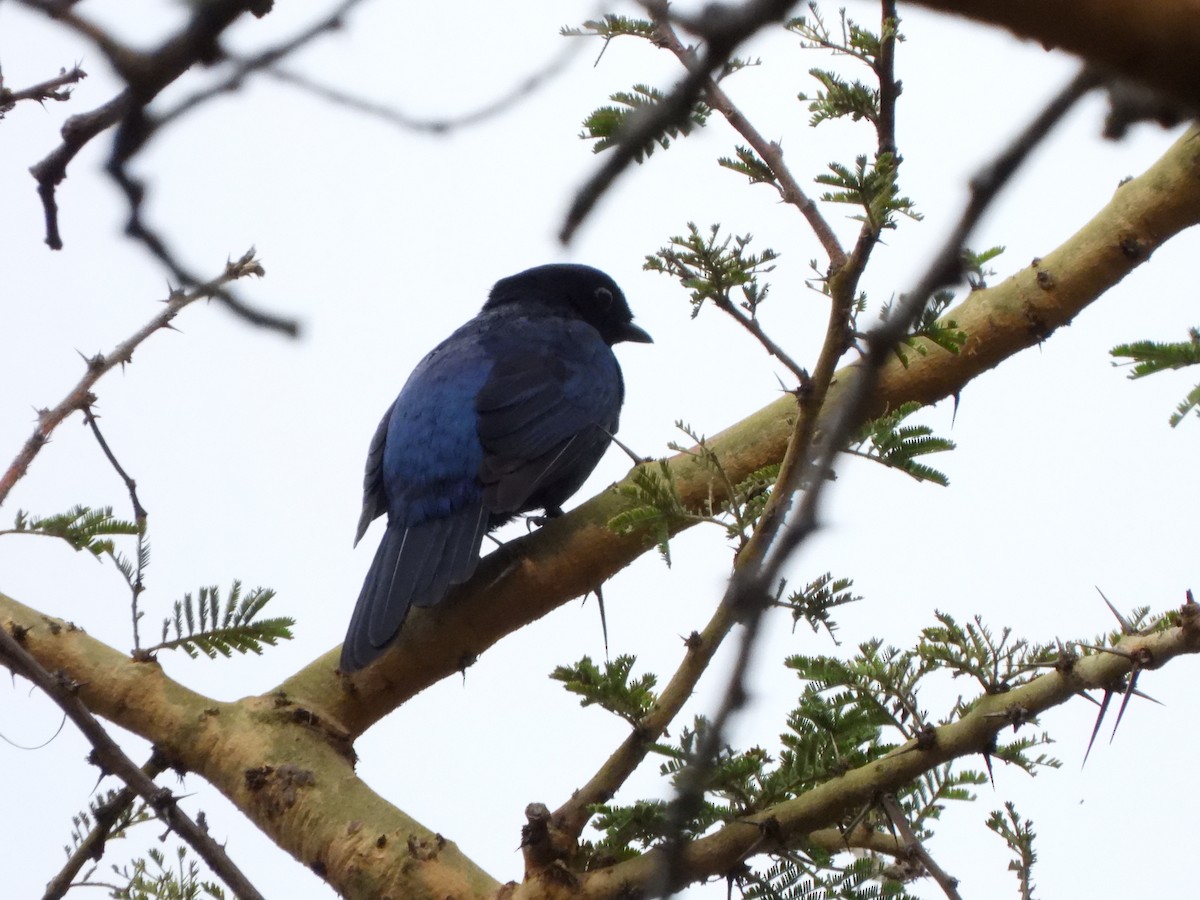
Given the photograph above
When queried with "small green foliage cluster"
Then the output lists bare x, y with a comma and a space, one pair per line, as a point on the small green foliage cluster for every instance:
610, 689
897, 446
871, 186
151, 878
655, 508
1149, 357
819, 597
855, 41
83, 527
202, 626
996, 662
733, 786
812, 876
711, 267
1018, 834
605, 123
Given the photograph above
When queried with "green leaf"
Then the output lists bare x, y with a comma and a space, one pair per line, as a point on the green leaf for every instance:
203, 626
610, 689
841, 98
749, 163
1151, 357
156, 880
83, 527
873, 188
711, 268
611, 26
604, 125
886, 442
1019, 837
818, 597
655, 506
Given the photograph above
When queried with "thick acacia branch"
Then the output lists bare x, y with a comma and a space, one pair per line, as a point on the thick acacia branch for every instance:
1156, 42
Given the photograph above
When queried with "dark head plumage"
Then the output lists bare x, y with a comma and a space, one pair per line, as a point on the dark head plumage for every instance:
577, 291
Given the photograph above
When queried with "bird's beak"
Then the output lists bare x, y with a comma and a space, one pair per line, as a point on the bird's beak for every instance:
630, 332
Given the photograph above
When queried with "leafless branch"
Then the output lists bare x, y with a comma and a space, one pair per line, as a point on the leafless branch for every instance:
56, 88
80, 397
948, 883
139, 516
520, 91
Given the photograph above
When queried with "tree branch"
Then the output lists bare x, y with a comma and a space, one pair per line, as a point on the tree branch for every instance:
81, 397
1155, 43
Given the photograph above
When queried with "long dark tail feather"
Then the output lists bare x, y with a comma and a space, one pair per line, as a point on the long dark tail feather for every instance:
412, 567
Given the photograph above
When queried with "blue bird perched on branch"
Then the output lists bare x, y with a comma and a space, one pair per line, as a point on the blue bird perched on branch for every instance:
509, 414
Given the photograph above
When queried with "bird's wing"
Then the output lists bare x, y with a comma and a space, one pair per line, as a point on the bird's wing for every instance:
374, 498
545, 417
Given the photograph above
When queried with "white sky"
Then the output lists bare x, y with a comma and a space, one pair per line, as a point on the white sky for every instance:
248, 448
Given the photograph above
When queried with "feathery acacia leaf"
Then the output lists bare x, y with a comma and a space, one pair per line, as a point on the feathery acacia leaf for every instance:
604, 125
1150, 357
711, 268
156, 880
886, 442
83, 527
203, 626
610, 689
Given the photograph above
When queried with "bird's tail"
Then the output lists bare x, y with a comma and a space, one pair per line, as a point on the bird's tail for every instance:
413, 566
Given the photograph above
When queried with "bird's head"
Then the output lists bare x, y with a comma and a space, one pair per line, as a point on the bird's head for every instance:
573, 290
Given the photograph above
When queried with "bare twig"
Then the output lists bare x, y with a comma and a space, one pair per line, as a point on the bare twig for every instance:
56, 88
112, 759
76, 132
948, 883
245, 66
139, 514
81, 395
523, 89
146, 74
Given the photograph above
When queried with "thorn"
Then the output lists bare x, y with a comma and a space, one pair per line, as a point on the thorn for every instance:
1126, 625
637, 458
1096, 728
1125, 702
603, 618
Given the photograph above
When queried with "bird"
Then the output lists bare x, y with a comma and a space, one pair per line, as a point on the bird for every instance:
509, 414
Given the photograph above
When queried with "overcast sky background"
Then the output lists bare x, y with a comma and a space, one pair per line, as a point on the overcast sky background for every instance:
248, 448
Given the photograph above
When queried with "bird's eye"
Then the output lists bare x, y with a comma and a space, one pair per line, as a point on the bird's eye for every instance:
604, 297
